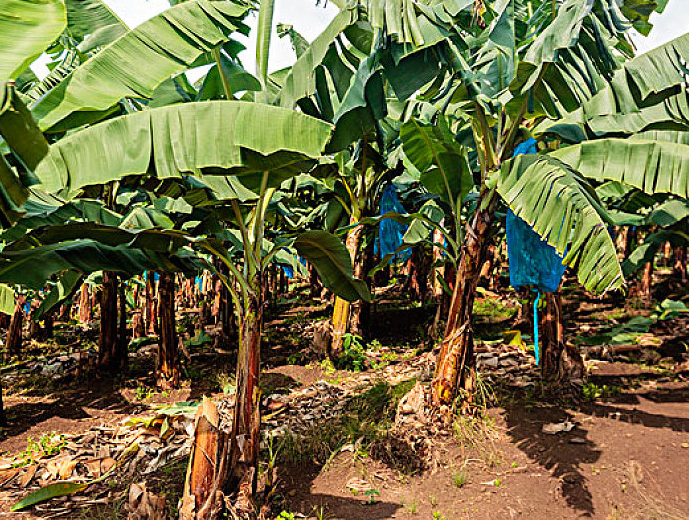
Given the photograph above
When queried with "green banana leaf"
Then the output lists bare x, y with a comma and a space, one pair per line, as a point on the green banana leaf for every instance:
207, 138
440, 159
563, 209
66, 285
140, 60
27, 28
331, 259
650, 166
7, 299
33, 267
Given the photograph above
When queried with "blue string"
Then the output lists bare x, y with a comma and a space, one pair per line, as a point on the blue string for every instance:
535, 327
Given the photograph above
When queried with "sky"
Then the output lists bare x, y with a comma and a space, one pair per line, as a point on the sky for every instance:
310, 20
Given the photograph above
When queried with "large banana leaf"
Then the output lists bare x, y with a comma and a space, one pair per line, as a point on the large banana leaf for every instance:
648, 165
571, 58
563, 209
209, 138
33, 267
40, 213
412, 22
646, 93
91, 17
331, 259
28, 147
7, 299
63, 288
324, 50
27, 28
440, 159
20, 132
137, 62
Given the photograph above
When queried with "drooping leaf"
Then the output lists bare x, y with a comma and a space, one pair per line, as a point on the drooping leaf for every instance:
33, 267
331, 259
65, 286
85, 17
648, 165
563, 209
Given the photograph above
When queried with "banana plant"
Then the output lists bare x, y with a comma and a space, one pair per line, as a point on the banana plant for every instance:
506, 67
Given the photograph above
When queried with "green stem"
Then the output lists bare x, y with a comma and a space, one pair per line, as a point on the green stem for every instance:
223, 78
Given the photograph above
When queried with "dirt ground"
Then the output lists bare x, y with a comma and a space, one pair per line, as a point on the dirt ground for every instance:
625, 457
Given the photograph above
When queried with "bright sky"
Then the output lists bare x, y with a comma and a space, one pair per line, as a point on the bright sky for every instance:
310, 20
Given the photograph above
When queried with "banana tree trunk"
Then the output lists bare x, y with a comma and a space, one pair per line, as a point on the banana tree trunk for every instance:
360, 320
122, 342
85, 309
207, 469
14, 332
107, 340
680, 265
456, 367
3, 416
228, 463
151, 311
168, 357
420, 266
647, 282
246, 424
342, 307
49, 326
560, 362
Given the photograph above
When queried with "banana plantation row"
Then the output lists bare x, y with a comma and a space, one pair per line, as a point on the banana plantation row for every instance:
115, 165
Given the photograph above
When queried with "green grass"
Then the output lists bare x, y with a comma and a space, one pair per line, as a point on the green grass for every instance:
493, 309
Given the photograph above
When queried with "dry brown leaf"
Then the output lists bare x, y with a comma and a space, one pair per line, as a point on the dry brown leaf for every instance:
107, 464
66, 468
7, 475
53, 468
29, 474
93, 467
144, 505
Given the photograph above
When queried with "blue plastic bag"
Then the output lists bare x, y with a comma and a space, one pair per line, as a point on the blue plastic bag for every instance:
390, 232
533, 262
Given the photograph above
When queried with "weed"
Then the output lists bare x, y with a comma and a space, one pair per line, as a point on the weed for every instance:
143, 392
591, 391
353, 355
46, 446
284, 515
295, 358
459, 477
493, 309
192, 373
366, 419
438, 515
480, 434
226, 382
372, 494
433, 500
413, 508
327, 366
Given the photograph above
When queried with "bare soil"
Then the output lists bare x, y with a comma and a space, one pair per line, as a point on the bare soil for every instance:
625, 458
